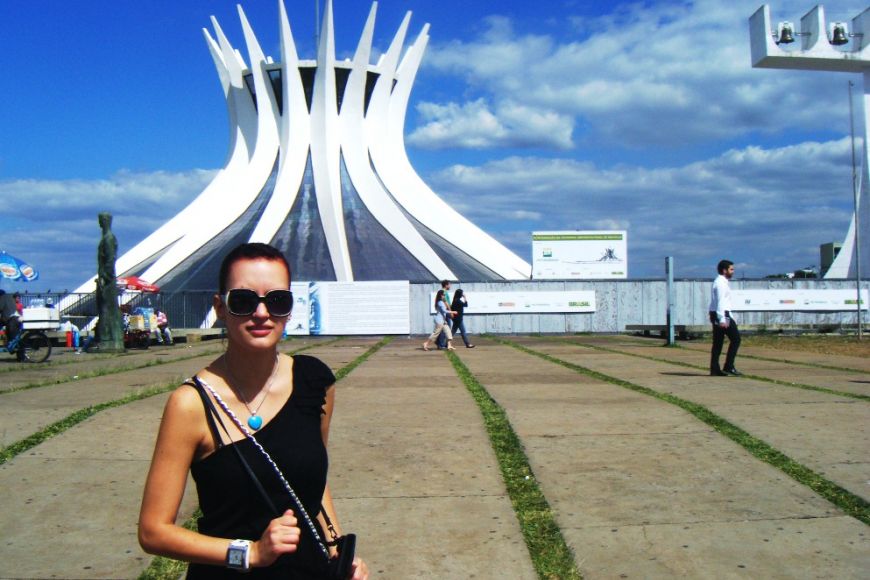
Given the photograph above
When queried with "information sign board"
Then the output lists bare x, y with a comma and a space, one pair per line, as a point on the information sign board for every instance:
571, 255
359, 307
797, 300
530, 302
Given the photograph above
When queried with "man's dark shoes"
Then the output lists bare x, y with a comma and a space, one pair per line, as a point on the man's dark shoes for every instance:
719, 374
733, 372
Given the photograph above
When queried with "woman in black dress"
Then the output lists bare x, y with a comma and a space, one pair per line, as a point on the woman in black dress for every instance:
286, 402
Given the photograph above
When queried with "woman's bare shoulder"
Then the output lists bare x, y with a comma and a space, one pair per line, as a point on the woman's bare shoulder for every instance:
185, 401
186, 397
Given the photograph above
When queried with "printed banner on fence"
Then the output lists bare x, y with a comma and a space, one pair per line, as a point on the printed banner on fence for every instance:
531, 302
797, 300
359, 307
297, 325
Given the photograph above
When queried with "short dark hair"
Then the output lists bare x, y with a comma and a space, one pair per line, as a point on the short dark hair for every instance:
723, 265
445, 283
249, 251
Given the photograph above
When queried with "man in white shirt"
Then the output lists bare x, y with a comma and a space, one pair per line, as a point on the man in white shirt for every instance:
723, 323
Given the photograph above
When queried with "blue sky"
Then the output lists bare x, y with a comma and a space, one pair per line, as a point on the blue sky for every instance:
525, 116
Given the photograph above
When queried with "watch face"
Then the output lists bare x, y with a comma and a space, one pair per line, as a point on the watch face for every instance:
236, 557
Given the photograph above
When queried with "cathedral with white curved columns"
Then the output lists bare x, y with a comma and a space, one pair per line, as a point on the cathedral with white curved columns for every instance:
317, 167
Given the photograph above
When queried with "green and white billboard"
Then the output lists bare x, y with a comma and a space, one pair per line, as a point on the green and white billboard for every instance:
580, 255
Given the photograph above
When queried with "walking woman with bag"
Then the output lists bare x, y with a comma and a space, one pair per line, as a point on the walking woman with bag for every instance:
252, 429
442, 322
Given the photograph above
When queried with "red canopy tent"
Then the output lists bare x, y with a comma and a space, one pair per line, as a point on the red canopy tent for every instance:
136, 283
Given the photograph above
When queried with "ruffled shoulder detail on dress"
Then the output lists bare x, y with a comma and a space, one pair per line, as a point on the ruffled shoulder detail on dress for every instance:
311, 379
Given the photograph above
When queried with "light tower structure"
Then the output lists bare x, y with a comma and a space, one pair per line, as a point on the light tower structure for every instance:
823, 46
317, 167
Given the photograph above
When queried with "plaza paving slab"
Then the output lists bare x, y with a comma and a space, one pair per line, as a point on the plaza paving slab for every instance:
70, 505
791, 368
640, 488
611, 461
415, 475
406, 462
857, 363
827, 433
25, 412
65, 364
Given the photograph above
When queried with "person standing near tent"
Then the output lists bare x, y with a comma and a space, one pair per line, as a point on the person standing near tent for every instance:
164, 335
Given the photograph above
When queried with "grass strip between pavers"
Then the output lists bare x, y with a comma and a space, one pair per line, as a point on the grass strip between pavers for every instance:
805, 387
58, 427
780, 360
107, 371
74, 419
20, 366
549, 552
851, 504
162, 568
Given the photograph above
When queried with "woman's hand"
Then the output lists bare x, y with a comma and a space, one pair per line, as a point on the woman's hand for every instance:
280, 537
359, 570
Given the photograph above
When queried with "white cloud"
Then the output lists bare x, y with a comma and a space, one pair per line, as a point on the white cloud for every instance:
475, 125
125, 193
761, 206
53, 223
661, 74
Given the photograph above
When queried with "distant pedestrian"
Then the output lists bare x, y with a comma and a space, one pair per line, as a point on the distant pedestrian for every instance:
458, 306
723, 322
442, 322
19, 305
445, 286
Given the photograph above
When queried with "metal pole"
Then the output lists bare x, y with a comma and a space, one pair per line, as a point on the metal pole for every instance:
857, 218
669, 270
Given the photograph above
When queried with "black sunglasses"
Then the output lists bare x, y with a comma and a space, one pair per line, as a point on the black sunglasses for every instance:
244, 302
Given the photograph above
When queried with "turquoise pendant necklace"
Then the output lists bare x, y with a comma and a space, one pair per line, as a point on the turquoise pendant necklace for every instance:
255, 421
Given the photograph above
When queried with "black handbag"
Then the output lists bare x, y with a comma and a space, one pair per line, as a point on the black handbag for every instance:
341, 565
338, 567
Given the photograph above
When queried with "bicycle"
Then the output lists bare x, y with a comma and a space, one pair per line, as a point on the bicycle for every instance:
30, 346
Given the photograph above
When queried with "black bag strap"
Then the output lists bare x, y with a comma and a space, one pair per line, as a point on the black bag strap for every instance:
209, 411
213, 415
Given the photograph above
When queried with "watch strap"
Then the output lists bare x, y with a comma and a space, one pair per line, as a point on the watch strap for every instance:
239, 555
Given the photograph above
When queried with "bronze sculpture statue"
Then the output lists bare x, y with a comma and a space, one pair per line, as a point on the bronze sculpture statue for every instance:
110, 330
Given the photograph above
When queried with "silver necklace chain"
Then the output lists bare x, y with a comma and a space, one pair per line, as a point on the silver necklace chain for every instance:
238, 393
274, 465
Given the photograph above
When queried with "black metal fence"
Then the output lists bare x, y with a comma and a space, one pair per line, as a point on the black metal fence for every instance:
183, 309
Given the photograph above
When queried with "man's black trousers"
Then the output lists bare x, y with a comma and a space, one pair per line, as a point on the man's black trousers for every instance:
719, 335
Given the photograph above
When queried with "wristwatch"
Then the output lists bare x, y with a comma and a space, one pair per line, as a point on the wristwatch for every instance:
239, 555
